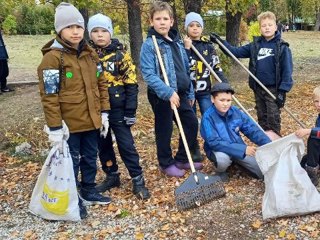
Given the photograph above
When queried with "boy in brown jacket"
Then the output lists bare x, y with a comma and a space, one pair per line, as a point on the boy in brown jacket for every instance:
73, 90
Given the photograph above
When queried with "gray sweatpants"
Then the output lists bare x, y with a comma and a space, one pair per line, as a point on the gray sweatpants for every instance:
249, 163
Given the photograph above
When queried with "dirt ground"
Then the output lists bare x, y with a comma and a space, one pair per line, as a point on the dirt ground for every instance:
236, 216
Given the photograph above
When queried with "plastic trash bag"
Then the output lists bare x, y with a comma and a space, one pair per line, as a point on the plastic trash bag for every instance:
288, 188
55, 195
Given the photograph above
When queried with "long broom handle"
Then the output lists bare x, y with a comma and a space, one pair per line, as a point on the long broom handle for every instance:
166, 80
258, 81
219, 80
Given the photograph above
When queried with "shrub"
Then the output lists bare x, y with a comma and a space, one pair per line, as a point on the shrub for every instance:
254, 30
9, 25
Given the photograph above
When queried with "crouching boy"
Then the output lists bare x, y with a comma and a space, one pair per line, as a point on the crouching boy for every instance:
220, 128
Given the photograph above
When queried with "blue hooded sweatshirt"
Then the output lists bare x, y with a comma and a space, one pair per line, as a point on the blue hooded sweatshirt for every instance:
264, 56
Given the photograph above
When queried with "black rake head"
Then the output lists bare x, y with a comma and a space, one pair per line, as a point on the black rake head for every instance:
192, 194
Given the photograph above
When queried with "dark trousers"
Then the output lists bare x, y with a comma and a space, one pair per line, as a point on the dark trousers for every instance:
126, 147
4, 72
268, 112
83, 149
164, 118
312, 159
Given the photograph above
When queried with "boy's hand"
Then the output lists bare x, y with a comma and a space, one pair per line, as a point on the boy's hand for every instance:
214, 37
302, 132
251, 151
281, 99
174, 100
187, 42
191, 102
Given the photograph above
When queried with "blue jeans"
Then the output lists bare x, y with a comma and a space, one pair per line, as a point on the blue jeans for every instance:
204, 102
83, 149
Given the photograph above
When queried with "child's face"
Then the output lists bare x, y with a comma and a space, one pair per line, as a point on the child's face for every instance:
100, 36
268, 28
194, 30
316, 101
222, 102
162, 22
73, 34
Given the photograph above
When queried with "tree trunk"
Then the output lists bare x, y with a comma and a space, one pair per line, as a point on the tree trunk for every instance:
317, 26
85, 14
233, 27
135, 30
192, 6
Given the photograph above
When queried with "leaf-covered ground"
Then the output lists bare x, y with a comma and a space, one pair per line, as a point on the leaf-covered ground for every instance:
236, 216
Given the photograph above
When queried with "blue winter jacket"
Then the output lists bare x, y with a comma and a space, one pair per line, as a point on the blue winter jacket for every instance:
150, 67
3, 50
315, 132
270, 61
222, 133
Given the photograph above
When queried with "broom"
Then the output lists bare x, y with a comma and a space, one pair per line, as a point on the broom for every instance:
198, 188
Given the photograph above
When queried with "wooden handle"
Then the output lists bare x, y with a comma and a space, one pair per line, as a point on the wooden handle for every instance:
166, 80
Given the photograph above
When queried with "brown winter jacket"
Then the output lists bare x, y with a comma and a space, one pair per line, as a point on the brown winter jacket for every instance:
83, 91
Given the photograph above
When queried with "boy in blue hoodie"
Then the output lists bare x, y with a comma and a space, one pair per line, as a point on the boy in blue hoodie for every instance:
163, 98
220, 128
271, 62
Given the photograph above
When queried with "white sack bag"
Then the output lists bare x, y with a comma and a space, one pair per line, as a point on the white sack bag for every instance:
288, 188
55, 195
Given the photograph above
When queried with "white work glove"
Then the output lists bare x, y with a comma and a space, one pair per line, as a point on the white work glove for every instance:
105, 124
56, 137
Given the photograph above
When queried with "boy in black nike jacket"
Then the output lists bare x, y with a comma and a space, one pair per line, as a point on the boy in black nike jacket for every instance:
123, 92
271, 62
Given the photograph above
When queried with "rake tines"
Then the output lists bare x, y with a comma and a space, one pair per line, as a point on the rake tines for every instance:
193, 194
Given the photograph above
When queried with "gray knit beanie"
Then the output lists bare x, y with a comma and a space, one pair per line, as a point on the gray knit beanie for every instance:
67, 15
193, 17
100, 20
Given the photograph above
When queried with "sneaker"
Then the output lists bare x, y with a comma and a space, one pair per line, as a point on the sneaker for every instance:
139, 189
111, 181
92, 197
173, 171
82, 209
186, 166
6, 89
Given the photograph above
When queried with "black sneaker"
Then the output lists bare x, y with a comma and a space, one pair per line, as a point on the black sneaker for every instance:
196, 154
6, 89
82, 209
139, 189
112, 180
92, 197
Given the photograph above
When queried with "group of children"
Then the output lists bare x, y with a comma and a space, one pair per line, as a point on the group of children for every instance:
93, 86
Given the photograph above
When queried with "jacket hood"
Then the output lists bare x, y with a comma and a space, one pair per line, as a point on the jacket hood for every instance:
173, 34
61, 45
113, 46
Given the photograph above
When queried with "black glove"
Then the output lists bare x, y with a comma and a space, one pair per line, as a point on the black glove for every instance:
281, 99
214, 37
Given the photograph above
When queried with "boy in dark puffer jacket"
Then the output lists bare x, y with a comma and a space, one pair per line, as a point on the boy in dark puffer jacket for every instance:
123, 91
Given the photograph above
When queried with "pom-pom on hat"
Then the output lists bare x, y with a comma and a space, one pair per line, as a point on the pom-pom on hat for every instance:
100, 20
67, 15
193, 17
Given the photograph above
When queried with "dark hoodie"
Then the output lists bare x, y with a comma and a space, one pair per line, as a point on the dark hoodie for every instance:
270, 61
183, 80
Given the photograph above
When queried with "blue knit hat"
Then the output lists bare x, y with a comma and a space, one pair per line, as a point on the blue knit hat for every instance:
100, 20
193, 17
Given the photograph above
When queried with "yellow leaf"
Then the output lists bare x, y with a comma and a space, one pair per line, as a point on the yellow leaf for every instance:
256, 224
282, 233
139, 236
